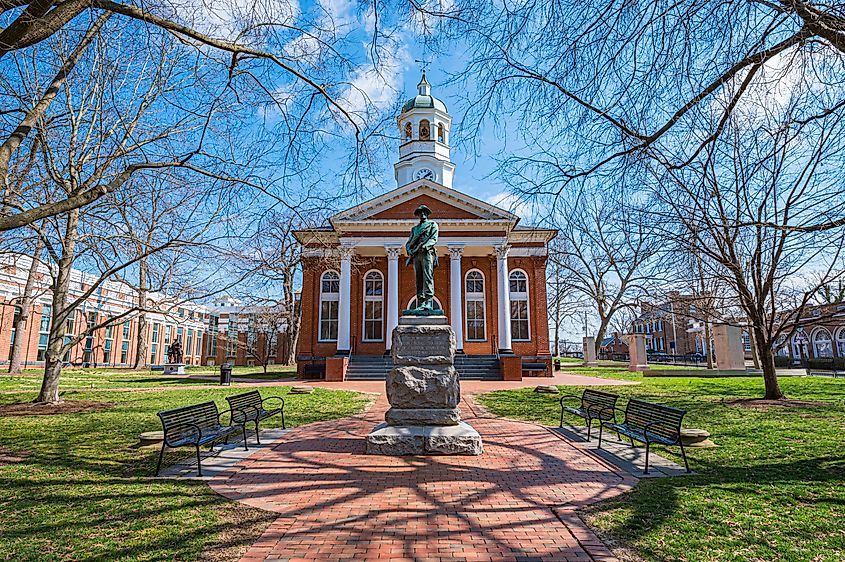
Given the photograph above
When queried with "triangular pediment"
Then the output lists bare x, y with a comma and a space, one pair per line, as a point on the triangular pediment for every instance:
445, 203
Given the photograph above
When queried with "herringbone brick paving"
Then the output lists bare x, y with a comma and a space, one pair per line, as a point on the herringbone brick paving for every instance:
516, 502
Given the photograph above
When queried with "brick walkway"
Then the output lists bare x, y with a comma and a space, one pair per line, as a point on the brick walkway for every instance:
515, 502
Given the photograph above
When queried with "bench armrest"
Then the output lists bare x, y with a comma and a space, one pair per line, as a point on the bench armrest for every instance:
263, 400
231, 417
568, 395
190, 425
242, 410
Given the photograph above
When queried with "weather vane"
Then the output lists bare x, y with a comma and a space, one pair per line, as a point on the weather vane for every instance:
423, 63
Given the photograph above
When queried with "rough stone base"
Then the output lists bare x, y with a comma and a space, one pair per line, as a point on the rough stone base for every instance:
460, 439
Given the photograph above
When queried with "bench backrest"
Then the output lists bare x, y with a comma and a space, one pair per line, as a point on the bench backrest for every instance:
175, 422
598, 398
246, 401
639, 413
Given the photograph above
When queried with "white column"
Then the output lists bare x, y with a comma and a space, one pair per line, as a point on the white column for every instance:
504, 298
393, 253
455, 291
345, 297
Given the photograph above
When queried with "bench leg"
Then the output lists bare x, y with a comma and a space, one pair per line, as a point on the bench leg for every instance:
257, 438
589, 427
684, 454
283, 417
199, 465
160, 456
647, 444
246, 447
601, 428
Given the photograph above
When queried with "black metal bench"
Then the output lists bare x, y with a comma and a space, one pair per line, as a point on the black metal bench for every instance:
595, 405
650, 423
195, 425
824, 366
534, 368
249, 407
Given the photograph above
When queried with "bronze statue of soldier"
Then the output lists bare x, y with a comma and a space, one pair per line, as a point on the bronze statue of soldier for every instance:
423, 255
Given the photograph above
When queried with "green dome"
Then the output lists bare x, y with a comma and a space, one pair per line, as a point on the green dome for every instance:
424, 102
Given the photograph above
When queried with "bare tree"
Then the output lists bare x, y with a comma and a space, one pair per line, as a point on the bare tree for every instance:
772, 167
607, 251
24, 307
273, 257
266, 325
110, 113
289, 63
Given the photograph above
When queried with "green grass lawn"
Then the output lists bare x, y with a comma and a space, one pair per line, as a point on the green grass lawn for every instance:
81, 489
105, 378
774, 489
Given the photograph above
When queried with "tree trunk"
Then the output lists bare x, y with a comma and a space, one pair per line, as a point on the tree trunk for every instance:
55, 344
605, 321
755, 356
707, 343
141, 333
294, 321
21, 332
767, 363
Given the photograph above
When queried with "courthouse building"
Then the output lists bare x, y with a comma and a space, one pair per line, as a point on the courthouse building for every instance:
491, 281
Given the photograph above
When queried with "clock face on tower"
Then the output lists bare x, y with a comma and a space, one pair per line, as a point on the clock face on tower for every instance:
424, 174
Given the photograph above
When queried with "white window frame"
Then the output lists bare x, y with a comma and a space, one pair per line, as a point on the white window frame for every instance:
520, 296
482, 299
372, 298
814, 339
328, 296
840, 342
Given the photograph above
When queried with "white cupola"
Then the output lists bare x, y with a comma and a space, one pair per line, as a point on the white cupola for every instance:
424, 125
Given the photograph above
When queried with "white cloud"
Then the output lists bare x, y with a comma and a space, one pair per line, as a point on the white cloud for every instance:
374, 87
512, 203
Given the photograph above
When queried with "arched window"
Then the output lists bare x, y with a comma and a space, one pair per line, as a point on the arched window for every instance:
518, 286
425, 130
441, 132
822, 343
329, 304
373, 306
474, 296
799, 345
840, 342
409, 131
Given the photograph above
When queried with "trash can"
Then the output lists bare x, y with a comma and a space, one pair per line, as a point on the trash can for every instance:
557, 364
226, 374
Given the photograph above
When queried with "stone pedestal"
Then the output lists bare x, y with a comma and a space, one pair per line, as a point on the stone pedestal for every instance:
424, 392
727, 343
589, 343
174, 368
637, 354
